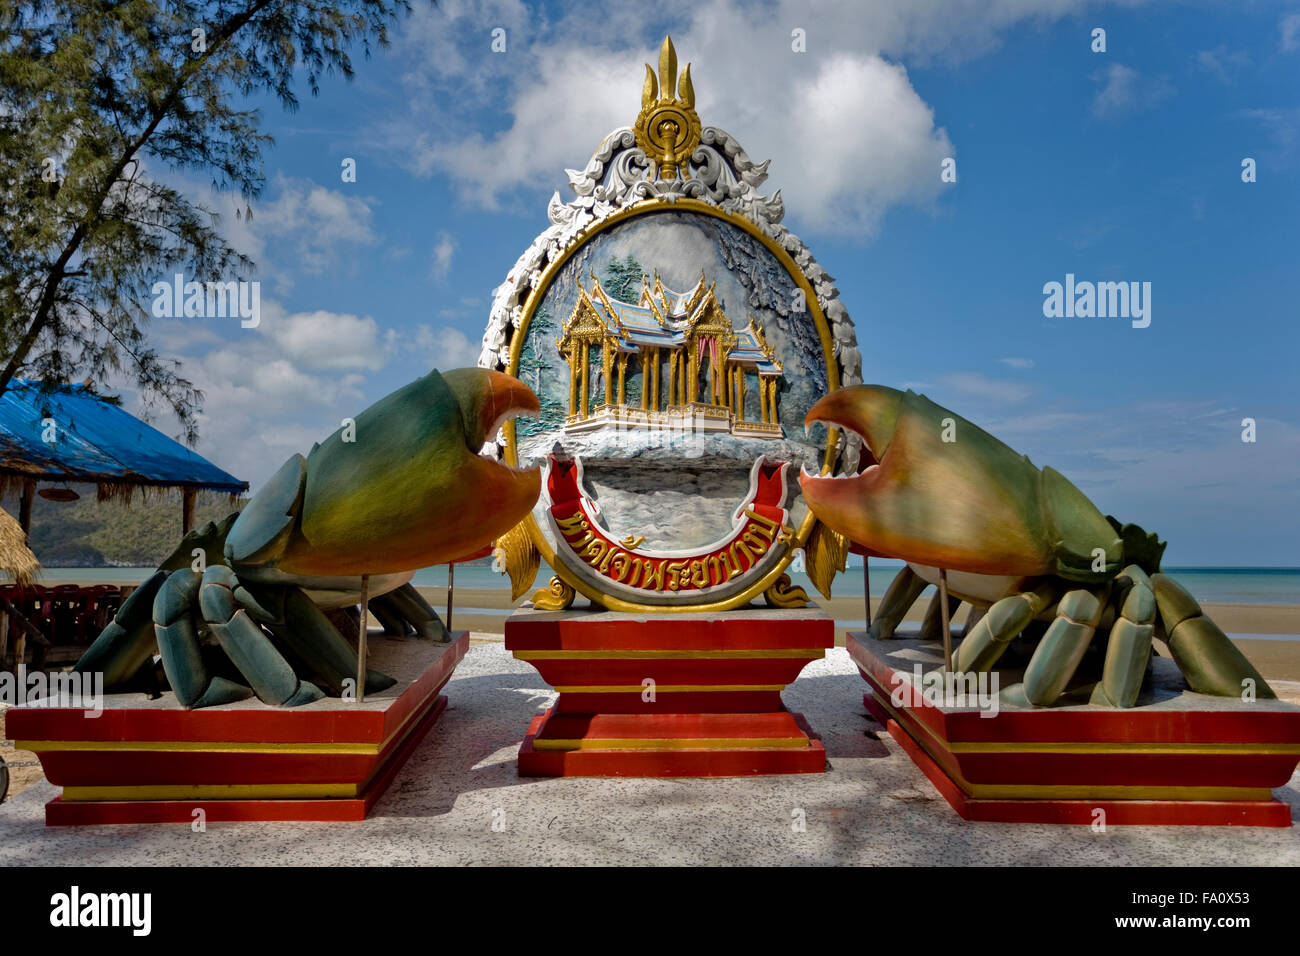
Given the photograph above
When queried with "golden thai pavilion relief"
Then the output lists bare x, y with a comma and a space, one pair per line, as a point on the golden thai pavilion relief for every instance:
696, 369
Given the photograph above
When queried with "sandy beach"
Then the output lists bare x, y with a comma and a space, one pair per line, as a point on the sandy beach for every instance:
873, 806
1279, 659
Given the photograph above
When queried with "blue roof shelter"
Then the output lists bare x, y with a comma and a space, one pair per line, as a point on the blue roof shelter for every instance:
70, 434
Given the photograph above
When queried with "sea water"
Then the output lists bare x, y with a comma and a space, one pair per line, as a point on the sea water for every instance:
1209, 585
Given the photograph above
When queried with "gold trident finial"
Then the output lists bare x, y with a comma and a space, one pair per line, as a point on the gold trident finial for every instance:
668, 128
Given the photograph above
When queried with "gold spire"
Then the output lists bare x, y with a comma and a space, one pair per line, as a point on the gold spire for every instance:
668, 128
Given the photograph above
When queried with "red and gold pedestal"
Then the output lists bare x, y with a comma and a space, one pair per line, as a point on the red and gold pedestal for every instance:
672, 695
150, 761
1177, 758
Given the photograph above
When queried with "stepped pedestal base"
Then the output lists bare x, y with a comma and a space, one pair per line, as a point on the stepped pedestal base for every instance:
672, 695
151, 761
1177, 758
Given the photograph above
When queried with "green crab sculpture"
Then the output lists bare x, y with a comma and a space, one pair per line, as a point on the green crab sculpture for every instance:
1028, 550
402, 486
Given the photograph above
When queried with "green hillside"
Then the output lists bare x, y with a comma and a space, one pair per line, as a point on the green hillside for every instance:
86, 533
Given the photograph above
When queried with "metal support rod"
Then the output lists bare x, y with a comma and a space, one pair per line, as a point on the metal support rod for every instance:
943, 613
361, 637
866, 590
451, 586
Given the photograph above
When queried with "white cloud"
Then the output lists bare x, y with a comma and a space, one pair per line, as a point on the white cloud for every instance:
182, 335
1035, 423
573, 92
305, 229
887, 150
468, 307
974, 385
316, 224
1124, 90
1290, 30
1281, 126
1220, 61
447, 347
1017, 362
440, 257
274, 390
845, 108
329, 340
265, 384
262, 405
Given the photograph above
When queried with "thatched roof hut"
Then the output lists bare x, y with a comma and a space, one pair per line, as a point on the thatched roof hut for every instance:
16, 559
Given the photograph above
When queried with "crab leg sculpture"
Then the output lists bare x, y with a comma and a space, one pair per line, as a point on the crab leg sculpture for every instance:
401, 487
1025, 544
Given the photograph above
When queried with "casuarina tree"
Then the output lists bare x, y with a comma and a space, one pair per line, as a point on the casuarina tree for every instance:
99, 100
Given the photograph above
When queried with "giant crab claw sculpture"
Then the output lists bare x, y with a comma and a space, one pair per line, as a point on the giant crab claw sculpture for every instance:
938, 492
402, 487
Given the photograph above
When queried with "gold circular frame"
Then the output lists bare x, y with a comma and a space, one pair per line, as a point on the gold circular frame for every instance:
535, 295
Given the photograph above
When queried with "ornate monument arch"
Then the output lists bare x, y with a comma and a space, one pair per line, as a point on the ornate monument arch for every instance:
672, 421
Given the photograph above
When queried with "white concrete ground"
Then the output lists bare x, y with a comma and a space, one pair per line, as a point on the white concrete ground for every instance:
871, 807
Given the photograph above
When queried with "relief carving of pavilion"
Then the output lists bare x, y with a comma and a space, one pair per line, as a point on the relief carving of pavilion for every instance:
692, 368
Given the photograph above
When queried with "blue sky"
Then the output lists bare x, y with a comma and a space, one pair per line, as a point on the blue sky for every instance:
1123, 165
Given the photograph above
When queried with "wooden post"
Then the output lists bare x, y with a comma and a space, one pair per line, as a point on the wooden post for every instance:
25, 505
866, 589
187, 511
451, 586
362, 635
943, 613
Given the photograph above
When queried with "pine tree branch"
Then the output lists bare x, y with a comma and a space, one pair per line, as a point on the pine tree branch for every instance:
57, 272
